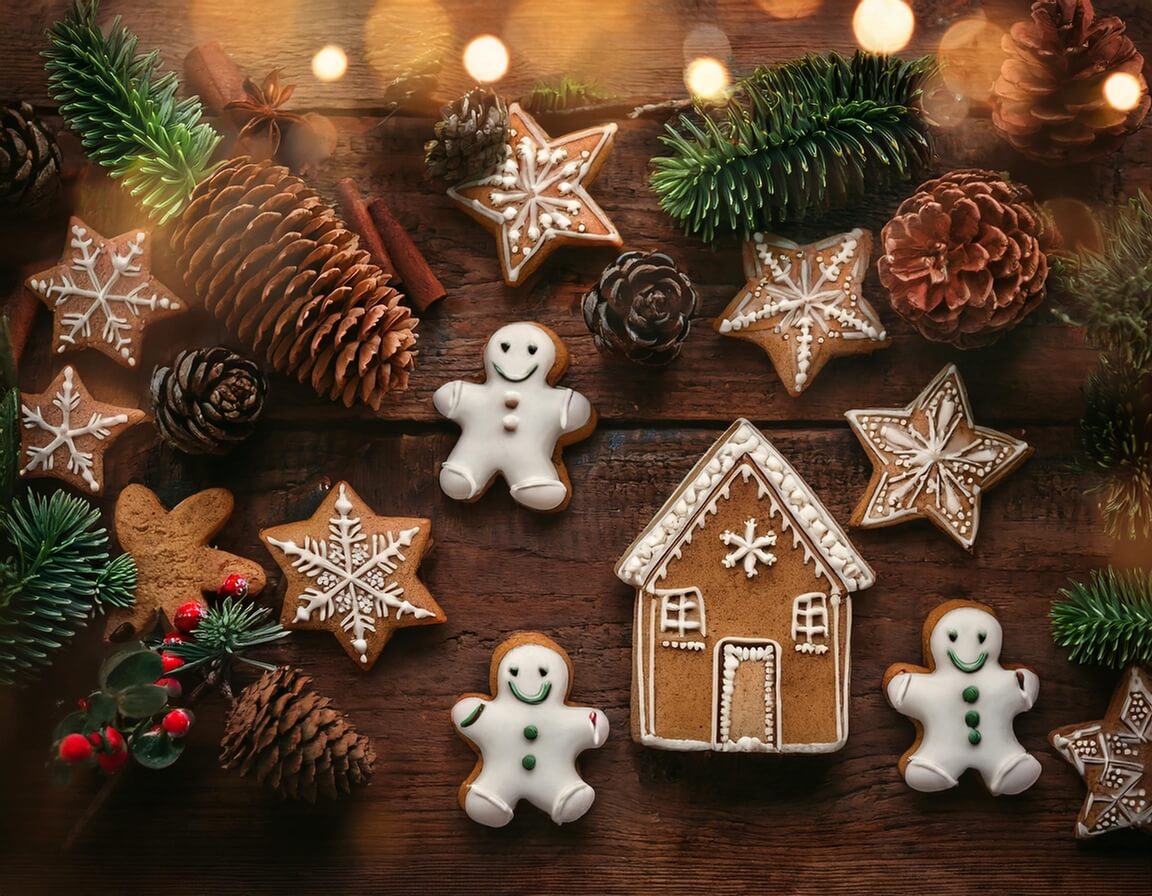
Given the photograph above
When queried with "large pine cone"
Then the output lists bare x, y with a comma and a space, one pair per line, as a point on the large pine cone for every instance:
641, 309
29, 159
1049, 99
270, 259
293, 740
964, 257
471, 137
208, 400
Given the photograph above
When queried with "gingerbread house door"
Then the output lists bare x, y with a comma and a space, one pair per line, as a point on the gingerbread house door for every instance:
747, 684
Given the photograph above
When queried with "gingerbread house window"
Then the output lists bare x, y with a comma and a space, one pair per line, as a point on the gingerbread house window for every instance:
681, 613
810, 623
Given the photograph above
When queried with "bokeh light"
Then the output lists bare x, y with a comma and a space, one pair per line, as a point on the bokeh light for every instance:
1123, 91
790, 9
883, 26
943, 106
970, 57
706, 78
706, 40
486, 58
330, 63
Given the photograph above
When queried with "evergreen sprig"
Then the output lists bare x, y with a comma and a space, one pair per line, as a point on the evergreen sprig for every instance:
125, 110
57, 574
562, 93
1107, 620
227, 632
815, 133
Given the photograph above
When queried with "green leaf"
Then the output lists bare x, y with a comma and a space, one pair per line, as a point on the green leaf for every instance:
73, 723
155, 749
142, 700
128, 668
101, 709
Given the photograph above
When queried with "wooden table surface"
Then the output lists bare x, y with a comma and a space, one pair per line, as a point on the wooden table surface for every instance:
663, 822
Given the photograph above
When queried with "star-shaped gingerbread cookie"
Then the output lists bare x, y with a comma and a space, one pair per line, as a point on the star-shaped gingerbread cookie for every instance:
353, 573
803, 304
537, 200
1114, 757
931, 460
174, 563
102, 293
66, 432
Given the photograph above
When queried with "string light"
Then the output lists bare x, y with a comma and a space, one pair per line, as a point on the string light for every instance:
486, 58
330, 63
1123, 91
706, 78
883, 26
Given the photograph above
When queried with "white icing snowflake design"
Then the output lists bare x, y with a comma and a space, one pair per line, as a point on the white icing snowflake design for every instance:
66, 434
750, 548
351, 571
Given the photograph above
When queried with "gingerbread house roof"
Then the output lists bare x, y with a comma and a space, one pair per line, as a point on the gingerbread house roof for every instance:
699, 490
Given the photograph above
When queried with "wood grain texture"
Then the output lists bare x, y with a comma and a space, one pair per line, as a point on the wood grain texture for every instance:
663, 822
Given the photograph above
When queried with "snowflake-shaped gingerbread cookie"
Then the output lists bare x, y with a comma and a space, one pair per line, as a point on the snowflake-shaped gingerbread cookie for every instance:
353, 573
102, 293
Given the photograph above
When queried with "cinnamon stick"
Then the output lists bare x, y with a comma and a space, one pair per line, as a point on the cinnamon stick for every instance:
420, 283
210, 72
355, 212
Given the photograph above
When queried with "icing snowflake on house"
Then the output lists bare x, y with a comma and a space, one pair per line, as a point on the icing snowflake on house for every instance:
802, 304
103, 294
750, 548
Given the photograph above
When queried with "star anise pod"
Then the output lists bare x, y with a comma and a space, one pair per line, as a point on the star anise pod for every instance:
264, 105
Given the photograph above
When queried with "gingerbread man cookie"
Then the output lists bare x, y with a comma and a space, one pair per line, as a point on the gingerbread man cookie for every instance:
963, 704
527, 736
515, 423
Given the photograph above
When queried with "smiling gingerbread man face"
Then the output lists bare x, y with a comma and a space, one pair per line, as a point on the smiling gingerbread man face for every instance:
966, 639
533, 674
520, 353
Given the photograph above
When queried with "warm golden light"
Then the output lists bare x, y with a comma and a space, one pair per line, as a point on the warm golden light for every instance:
883, 26
1123, 91
970, 57
486, 58
706, 78
944, 107
790, 9
330, 63
706, 40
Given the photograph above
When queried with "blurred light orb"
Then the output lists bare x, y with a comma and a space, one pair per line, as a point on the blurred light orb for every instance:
706, 40
790, 9
970, 57
330, 63
1123, 91
944, 107
486, 58
706, 78
883, 26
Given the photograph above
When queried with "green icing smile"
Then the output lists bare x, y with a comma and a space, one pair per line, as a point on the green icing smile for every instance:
975, 666
515, 379
539, 697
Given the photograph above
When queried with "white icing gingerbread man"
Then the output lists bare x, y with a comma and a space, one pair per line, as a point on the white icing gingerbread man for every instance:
964, 705
527, 736
513, 422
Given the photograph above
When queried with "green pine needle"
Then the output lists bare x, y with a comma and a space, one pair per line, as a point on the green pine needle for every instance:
564, 92
227, 632
1107, 621
126, 112
57, 575
815, 133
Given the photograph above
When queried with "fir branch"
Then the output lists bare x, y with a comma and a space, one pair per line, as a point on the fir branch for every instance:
1108, 620
815, 133
564, 93
227, 633
126, 112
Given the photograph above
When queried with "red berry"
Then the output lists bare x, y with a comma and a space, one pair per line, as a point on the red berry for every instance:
112, 762
96, 740
235, 586
188, 616
175, 689
175, 638
75, 748
170, 662
177, 722
83, 704
114, 741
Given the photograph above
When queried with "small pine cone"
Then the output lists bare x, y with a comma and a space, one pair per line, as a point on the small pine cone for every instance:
208, 400
1049, 100
293, 740
273, 261
29, 159
641, 309
965, 257
471, 137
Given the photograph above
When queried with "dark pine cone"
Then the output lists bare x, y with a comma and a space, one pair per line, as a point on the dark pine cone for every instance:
208, 400
641, 309
471, 137
29, 159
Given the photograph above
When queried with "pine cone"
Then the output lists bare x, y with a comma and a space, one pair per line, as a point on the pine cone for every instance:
471, 137
271, 260
208, 400
293, 740
964, 257
641, 309
1049, 99
29, 159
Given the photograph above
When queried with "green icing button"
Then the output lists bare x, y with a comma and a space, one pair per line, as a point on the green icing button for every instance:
529, 762
972, 718
974, 737
971, 694
531, 733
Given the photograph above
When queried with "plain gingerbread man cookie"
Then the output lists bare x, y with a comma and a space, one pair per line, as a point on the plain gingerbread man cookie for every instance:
527, 736
516, 422
964, 704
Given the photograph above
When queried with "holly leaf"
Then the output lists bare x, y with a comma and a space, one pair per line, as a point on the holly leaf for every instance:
155, 749
73, 723
132, 667
142, 700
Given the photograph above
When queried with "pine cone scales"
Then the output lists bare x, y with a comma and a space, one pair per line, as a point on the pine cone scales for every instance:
293, 740
471, 137
29, 158
1049, 100
641, 309
274, 262
965, 257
